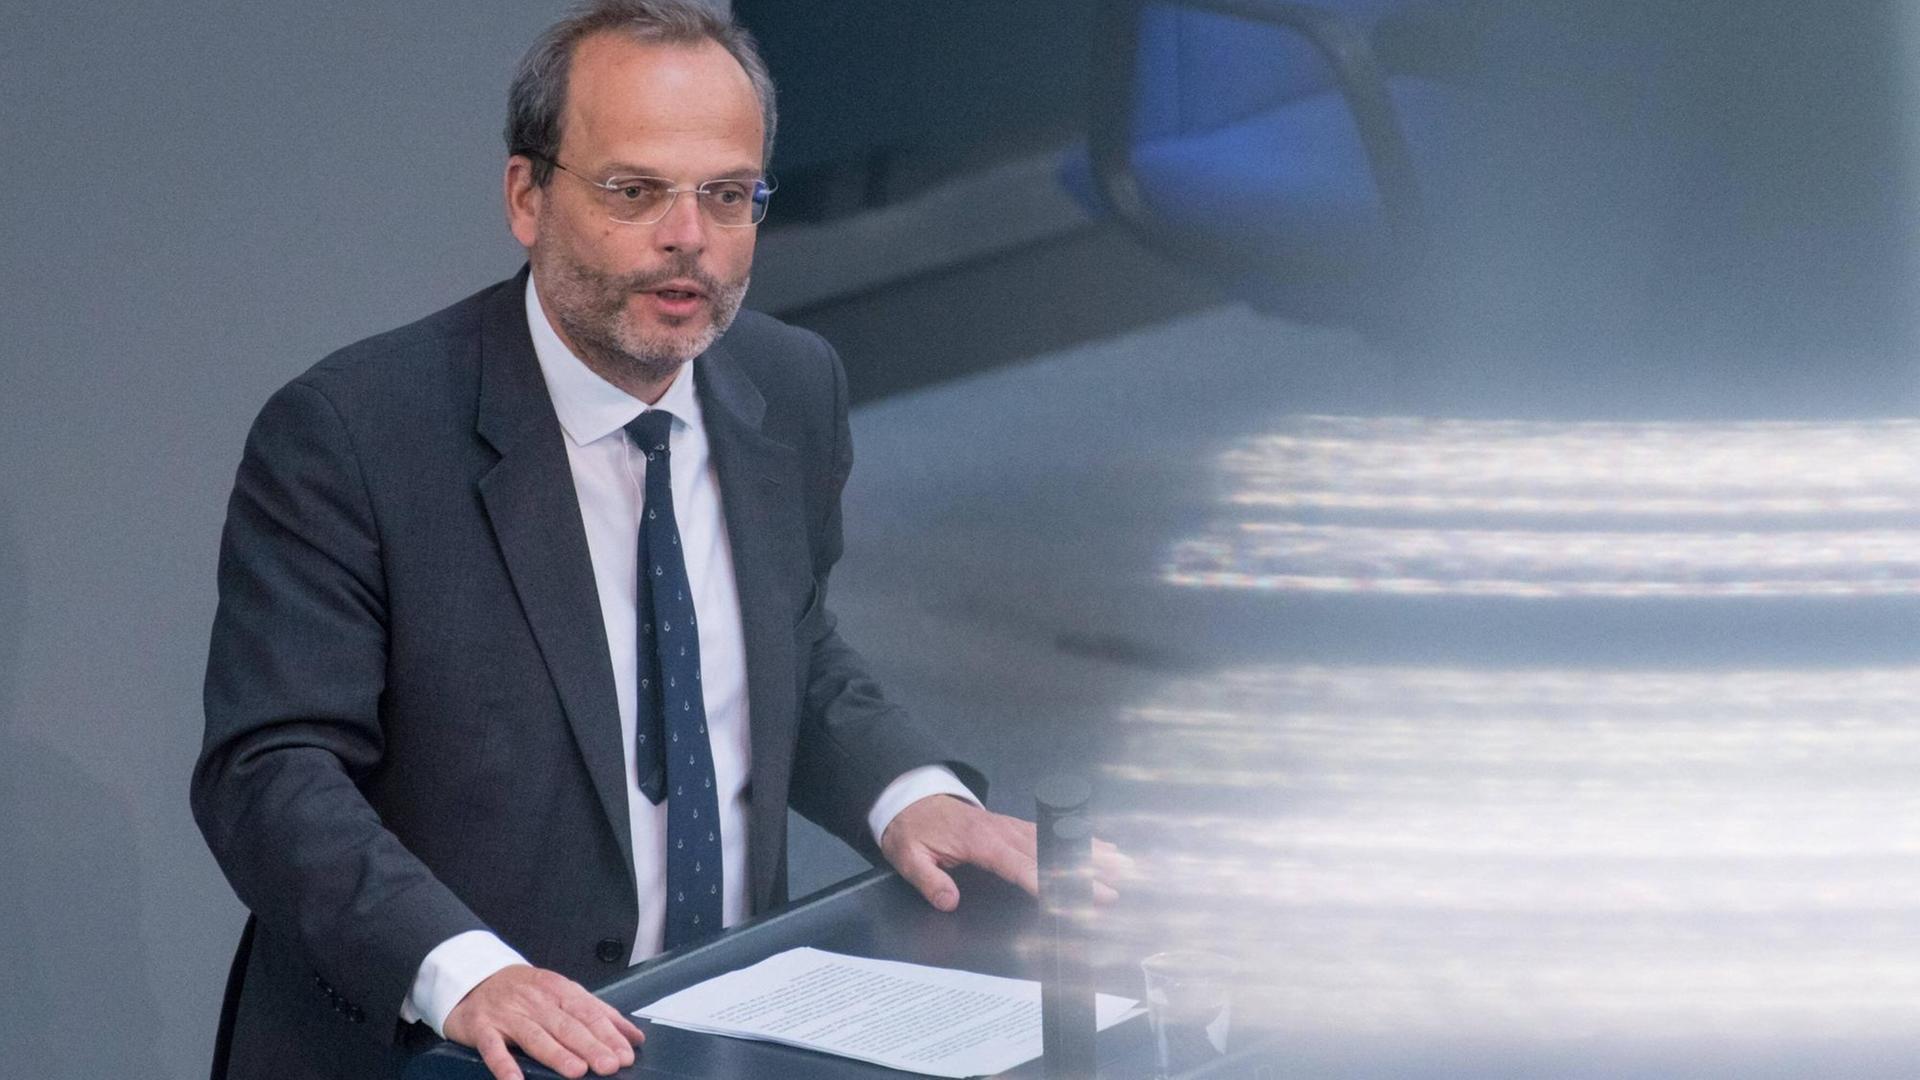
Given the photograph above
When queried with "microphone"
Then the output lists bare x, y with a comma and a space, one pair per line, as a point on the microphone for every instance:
1065, 843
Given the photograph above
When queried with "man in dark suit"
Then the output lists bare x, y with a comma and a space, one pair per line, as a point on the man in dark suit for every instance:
441, 683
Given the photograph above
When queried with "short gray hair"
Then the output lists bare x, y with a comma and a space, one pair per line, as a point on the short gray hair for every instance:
538, 96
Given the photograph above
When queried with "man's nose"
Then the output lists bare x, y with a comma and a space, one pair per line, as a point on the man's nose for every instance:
685, 226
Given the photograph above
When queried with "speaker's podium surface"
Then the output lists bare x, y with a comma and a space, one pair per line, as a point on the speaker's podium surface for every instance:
876, 915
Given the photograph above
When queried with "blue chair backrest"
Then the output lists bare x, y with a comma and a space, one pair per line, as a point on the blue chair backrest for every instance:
1199, 70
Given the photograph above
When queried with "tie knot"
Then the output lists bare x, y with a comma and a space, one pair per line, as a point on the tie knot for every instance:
649, 430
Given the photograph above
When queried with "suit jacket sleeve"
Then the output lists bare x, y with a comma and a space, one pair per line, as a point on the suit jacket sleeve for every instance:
853, 742
294, 679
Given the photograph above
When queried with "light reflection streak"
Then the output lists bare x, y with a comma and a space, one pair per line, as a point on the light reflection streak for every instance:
1537, 510
1536, 852
1509, 466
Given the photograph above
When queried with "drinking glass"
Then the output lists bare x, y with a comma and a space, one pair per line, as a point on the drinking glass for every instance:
1189, 1007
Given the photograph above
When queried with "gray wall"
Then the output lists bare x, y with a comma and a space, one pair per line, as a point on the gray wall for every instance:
201, 200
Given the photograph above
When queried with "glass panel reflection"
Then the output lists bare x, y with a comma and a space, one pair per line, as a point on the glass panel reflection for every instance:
1536, 853
1545, 510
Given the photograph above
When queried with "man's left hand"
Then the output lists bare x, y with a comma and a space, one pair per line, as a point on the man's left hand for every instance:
940, 832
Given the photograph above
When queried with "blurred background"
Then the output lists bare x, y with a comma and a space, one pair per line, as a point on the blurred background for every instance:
1447, 470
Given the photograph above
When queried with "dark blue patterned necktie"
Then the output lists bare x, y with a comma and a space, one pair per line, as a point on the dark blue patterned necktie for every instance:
675, 758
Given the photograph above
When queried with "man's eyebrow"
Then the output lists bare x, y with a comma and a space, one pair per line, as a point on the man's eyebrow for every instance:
624, 169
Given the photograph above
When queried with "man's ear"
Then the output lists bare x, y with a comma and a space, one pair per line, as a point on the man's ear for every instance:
524, 199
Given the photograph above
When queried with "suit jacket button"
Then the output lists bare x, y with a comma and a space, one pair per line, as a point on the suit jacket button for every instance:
609, 950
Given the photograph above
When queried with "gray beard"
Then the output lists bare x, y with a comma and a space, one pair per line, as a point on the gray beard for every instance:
588, 307
603, 346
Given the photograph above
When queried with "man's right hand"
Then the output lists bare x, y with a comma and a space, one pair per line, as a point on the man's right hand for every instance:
551, 1018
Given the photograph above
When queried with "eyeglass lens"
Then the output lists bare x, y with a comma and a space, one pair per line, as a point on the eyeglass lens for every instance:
644, 200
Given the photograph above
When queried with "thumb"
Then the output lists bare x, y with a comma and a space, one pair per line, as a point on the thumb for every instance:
925, 875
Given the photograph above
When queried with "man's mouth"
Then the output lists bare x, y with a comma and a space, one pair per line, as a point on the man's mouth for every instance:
678, 290
677, 302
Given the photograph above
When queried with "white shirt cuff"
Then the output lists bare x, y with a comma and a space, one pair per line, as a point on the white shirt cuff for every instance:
450, 972
909, 788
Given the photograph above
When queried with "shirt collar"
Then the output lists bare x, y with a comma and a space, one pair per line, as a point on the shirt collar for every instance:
589, 407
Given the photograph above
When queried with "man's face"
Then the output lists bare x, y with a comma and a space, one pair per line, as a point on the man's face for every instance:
686, 113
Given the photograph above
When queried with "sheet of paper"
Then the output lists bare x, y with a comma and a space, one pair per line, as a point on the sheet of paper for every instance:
929, 1020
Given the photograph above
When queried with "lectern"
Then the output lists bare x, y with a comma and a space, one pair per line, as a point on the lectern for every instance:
876, 914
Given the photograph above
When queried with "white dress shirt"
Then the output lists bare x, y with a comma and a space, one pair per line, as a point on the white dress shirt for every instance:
609, 479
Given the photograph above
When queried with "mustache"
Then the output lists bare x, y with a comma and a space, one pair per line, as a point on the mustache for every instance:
651, 280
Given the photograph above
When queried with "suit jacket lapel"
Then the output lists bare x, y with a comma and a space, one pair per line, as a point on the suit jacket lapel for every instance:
530, 501
757, 491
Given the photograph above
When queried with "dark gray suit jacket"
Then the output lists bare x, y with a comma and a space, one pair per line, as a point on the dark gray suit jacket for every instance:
411, 726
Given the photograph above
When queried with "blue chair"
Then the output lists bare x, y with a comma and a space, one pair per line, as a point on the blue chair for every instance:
1277, 146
